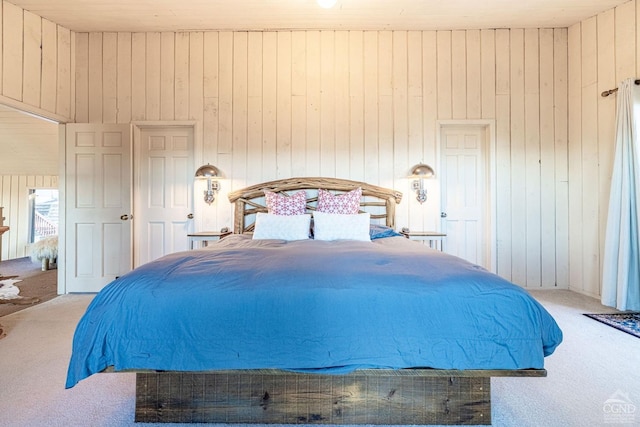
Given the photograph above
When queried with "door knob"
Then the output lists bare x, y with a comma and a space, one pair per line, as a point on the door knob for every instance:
124, 217
443, 214
190, 216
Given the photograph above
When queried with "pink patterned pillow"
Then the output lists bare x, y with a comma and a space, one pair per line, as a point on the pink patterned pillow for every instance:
347, 203
279, 204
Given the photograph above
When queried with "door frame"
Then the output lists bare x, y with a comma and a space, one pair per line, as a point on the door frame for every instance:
489, 155
138, 126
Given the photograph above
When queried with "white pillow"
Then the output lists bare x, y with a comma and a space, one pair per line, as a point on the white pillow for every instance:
328, 226
281, 227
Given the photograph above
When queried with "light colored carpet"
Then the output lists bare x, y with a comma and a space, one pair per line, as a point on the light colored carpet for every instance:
594, 363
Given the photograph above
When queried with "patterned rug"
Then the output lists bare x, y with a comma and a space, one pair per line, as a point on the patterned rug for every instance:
627, 322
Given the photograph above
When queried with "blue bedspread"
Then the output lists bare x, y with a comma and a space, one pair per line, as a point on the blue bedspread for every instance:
311, 305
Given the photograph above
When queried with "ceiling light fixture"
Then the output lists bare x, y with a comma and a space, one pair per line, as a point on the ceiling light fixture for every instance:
327, 4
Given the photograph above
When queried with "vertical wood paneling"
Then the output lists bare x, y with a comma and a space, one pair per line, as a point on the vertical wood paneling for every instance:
124, 78
153, 50
400, 106
625, 40
167, 76
547, 175
503, 155
110, 78
14, 198
225, 88
459, 74
65, 73
561, 101
356, 105
298, 103
606, 117
313, 78
138, 71
49, 66
181, 110
196, 76
341, 117
400, 114
385, 114
431, 218
283, 105
12, 51
474, 75
95, 77
269, 70
361, 105
327, 104
488, 73
371, 96
602, 51
416, 148
254, 107
444, 61
240, 102
32, 71
518, 161
210, 92
589, 140
532, 146
576, 228
82, 78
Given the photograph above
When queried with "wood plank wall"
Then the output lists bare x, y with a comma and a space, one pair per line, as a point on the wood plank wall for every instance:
14, 198
603, 51
295, 103
36, 67
35, 76
359, 105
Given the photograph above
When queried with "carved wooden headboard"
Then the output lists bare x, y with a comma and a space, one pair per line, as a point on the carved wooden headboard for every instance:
379, 202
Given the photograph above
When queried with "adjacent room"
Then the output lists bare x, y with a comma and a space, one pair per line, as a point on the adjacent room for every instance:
130, 131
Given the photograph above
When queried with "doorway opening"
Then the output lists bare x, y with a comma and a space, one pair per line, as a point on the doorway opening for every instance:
44, 207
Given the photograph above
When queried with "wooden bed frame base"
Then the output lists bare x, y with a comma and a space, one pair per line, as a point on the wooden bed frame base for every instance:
412, 396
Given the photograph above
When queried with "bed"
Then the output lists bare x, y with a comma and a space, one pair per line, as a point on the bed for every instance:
312, 330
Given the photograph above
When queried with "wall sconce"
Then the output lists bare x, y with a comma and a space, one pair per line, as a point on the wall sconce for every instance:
419, 173
209, 172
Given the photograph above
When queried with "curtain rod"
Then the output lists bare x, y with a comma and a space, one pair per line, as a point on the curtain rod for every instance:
610, 91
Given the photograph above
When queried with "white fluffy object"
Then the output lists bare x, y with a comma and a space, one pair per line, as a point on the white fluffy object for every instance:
46, 248
8, 290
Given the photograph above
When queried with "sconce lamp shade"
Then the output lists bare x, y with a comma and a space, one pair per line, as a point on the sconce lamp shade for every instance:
422, 171
208, 171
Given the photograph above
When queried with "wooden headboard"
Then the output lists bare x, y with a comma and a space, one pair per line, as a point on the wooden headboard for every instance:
379, 202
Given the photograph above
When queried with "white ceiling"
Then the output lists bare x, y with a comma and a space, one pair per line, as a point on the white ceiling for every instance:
176, 15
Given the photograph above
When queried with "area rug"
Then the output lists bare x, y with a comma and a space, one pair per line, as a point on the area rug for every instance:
34, 285
627, 322
9, 293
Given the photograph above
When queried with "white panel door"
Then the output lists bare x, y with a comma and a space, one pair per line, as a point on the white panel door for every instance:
164, 201
98, 205
463, 179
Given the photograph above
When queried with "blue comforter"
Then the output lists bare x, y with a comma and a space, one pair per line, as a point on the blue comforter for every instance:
330, 307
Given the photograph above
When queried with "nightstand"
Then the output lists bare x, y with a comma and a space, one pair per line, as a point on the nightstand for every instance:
434, 238
206, 236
